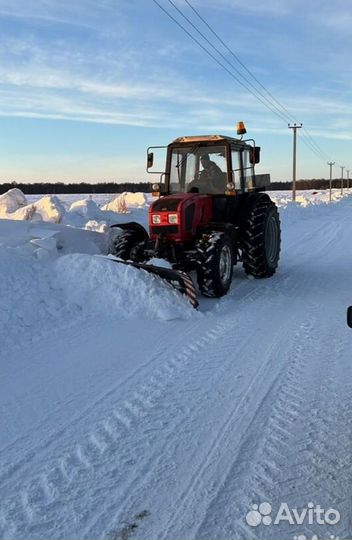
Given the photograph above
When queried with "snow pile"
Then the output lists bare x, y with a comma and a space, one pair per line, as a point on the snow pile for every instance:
103, 287
52, 275
86, 208
49, 208
83, 211
25, 213
14, 205
11, 201
306, 198
56, 239
29, 298
123, 202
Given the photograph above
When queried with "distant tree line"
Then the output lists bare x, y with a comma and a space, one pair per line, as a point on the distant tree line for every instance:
58, 188
315, 183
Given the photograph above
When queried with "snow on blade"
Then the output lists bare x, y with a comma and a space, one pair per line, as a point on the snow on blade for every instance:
99, 286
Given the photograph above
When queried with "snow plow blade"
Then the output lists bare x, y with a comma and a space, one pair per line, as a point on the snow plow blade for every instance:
179, 280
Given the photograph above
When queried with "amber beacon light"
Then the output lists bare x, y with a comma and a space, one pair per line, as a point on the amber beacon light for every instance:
241, 128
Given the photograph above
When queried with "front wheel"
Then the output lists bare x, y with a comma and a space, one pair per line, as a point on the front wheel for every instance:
215, 260
124, 244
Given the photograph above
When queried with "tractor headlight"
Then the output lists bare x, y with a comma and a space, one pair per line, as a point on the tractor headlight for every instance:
173, 219
156, 219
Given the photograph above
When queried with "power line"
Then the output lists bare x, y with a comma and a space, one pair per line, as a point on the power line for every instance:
318, 150
290, 117
310, 143
217, 60
254, 88
313, 147
272, 104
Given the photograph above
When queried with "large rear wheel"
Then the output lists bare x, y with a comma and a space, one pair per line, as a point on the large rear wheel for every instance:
215, 260
261, 239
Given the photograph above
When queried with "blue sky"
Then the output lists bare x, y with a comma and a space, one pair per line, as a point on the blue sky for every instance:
86, 86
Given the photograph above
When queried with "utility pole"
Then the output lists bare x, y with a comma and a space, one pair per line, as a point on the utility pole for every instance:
342, 168
348, 179
294, 127
331, 163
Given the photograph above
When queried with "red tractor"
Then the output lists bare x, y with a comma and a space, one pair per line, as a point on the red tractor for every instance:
211, 213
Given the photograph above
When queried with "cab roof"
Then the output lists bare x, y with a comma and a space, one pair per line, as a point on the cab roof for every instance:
205, 138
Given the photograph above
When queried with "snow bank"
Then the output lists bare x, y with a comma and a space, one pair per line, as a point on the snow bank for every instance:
13, 205
123, 202
83, 211
86, 208
52, 275
29, 298
306, 198
49, 208
11, 201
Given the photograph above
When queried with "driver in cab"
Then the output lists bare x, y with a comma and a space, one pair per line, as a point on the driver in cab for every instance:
210, 178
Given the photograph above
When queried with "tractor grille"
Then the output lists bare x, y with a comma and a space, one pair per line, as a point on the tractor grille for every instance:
165, 229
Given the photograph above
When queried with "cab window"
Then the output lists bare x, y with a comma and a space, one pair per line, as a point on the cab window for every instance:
248, 170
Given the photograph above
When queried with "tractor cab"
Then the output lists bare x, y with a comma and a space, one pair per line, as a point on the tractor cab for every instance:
210, 164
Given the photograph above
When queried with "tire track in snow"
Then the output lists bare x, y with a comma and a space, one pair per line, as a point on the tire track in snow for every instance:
144, 471
151, 468
272, 444
152, 463
330, 234
74, 462
271, 474
290, 262
49, 486
258, 393
43, 446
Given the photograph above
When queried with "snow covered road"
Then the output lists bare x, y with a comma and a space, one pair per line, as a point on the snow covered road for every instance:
153, 428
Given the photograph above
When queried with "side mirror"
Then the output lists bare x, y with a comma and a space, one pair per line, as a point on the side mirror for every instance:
254, 156
349, 316
150, 160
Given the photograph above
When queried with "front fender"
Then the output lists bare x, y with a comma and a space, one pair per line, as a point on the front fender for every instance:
138, 229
